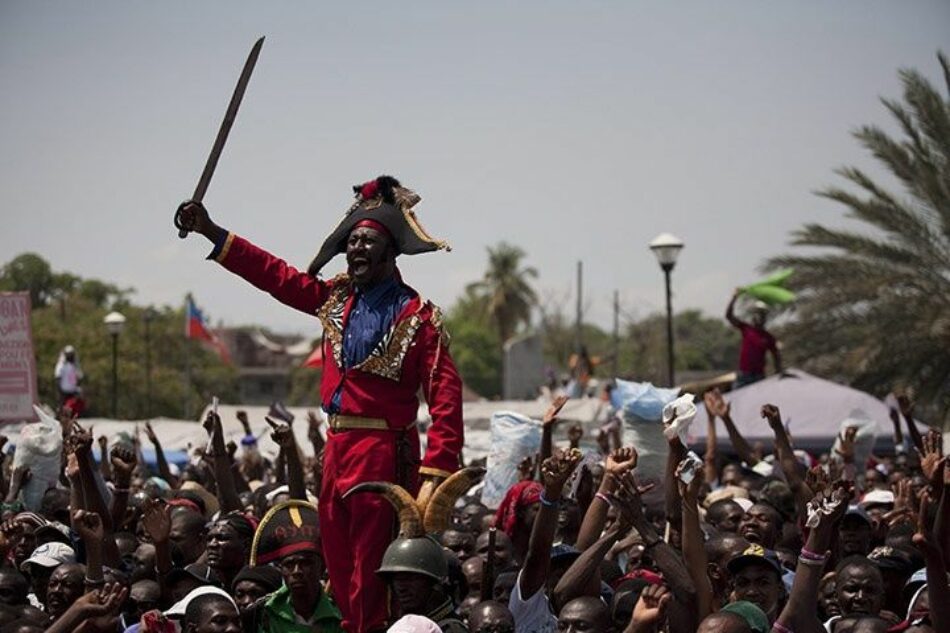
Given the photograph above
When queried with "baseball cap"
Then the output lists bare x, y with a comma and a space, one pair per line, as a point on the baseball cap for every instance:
563, 553
52, 554
178, 609
877, 497
755, 554
197, 571
53, 531
751, 613
887, 557
857, 511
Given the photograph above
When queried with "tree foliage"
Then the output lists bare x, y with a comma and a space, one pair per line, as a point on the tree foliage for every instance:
874, 302
69, 310
506, 290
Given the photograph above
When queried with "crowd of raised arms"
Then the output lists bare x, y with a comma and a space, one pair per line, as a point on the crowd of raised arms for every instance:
231, 541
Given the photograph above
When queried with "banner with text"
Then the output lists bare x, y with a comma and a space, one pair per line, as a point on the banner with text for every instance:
17, 359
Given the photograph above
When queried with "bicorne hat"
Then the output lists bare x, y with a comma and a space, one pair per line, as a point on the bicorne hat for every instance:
385, 202
287, 528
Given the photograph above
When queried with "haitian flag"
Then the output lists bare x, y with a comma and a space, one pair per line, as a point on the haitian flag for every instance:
195, 327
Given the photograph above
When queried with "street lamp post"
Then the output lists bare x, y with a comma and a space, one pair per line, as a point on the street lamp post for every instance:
667, 248
115, 322
148, 317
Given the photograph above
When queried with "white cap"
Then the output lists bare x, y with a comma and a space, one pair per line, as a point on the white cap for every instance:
745, 504
178, 609
875, 497
52, 554
414, 624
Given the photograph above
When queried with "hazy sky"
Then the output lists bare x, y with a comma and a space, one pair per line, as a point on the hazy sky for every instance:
575, 130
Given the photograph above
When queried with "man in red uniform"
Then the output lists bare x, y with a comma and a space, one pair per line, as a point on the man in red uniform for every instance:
383, 344
756, 341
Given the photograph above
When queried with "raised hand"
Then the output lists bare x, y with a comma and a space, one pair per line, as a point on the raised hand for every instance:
846, 444
650, 610
628, 495
526, 468
550, 416
313, 427
89, 526
771, 413
689, 493
283, 436
574, 434
11, 532
231, 448
245, 423
906, 403
716, 405
192, 216
156, 520
123, 460
930, 456
619, 462
557, 469
210, 421
150, 433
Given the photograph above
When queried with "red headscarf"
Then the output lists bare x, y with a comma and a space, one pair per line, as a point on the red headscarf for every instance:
521, 495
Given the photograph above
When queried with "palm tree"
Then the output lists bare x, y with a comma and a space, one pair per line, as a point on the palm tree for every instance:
506, 292
874, 302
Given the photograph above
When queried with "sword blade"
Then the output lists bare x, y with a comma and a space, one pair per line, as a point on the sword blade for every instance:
228, 121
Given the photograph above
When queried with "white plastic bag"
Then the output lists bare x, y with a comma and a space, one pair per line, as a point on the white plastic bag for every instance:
39, 447
677, 416
513, 438
641, 406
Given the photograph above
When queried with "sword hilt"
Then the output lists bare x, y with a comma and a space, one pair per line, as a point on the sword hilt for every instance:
183, 231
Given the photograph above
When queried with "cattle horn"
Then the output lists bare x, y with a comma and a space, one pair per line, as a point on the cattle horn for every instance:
439, 508
410, 519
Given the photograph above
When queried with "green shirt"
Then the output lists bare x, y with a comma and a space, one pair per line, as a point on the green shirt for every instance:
277, 615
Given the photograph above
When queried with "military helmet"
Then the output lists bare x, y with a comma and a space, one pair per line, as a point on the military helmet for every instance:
421, 555
416, 551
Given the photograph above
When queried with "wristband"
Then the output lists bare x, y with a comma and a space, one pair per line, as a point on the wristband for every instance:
811, 562
121, 490
810, 555
548, 504
15, 506
94, 583
604, 498
778, 628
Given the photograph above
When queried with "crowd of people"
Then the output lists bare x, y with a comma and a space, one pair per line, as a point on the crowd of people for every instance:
232, 541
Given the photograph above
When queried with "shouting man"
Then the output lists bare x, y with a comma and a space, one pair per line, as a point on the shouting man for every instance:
383, 344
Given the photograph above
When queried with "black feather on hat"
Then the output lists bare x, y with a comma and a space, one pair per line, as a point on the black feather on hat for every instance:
386, 201
287, 528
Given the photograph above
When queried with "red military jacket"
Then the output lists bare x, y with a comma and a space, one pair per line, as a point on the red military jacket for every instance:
413, 355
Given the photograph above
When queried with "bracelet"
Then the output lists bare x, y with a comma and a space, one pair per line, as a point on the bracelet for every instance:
604, 498
548, 504
15, 506
121, 490
778, 628
810, 555
811, 562
95, 583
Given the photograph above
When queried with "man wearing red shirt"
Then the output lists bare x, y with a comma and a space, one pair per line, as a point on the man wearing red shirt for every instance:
383, 344
756, 341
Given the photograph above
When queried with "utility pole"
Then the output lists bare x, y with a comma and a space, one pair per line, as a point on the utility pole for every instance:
615, 365
579, 339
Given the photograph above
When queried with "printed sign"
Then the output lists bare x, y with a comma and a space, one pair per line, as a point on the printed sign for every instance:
17, 359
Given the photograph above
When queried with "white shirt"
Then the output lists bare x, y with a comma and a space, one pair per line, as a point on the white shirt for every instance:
532, 615
68, 375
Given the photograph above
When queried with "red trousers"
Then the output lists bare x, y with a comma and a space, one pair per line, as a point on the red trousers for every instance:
356, 531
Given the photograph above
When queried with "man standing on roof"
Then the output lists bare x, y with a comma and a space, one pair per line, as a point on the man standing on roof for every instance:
383, 344
756, 341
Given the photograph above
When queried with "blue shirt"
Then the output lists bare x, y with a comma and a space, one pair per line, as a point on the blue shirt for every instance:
373, 312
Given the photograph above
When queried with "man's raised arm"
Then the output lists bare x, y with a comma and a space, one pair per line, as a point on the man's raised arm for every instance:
261, 269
